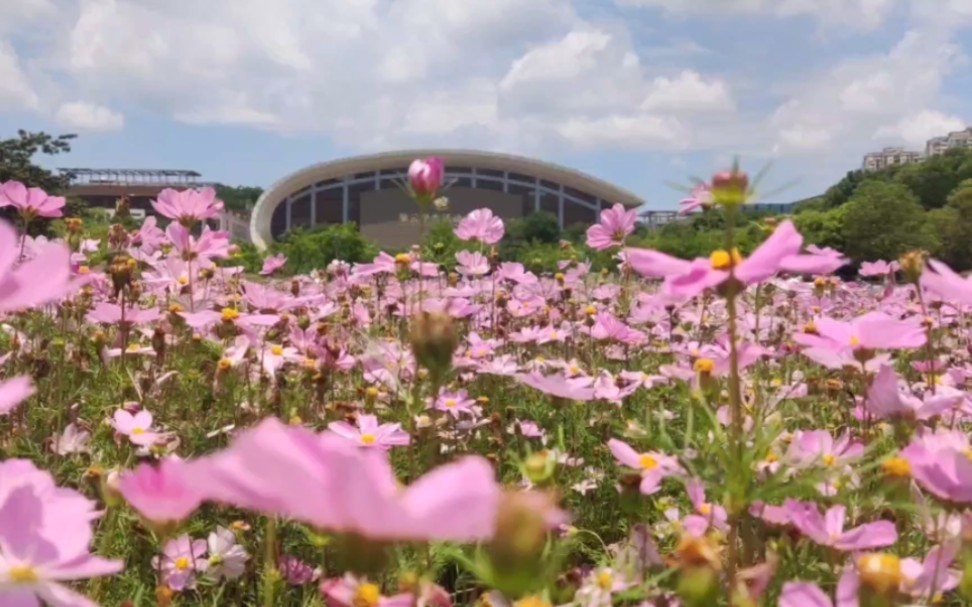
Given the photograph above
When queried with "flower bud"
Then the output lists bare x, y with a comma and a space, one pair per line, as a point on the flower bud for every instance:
880, 573
433, 339
912, 263
730, 187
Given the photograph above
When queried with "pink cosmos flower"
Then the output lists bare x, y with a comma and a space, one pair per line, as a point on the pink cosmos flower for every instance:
188, 206
818, 448
72, 440
807, 594
273, 263
472, 263
828, 529
43, 279
45, 531
210, 244
781, 251
13, 392
454, 403
160, 493
480, 225
940, 464
182, 558
137, 427
30, 202
835, 343
560, 386
110, 313
654, 466
149, 237
349, 591
941, 280
699, 198
369, 434
295, 571
607, 326
425, 177
227, 559
886, 399
708, 514
616, 224
325, 481
878, 268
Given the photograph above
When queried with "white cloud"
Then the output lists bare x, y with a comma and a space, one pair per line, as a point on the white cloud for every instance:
916, 129
626, 131
847, 13
16, 91
84, 116
688, 92
859, 97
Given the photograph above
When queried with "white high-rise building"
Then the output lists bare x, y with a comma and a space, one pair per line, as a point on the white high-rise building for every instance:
953, 141
875, 161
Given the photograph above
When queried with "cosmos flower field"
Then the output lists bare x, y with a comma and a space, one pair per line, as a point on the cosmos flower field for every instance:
731, 430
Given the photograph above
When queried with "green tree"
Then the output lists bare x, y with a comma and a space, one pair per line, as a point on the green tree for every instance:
17, 159
238, 198
823, 228
883, 220
952, 224
931, 181
314, 249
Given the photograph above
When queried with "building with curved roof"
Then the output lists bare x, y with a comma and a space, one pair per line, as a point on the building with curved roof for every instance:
368, 190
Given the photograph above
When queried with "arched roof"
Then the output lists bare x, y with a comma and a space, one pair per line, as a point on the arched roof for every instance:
265, 206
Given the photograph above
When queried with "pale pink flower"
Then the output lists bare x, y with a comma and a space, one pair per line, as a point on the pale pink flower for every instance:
273, 263
30, 202
43, 279
188, 206
654, 466
828, 529
13, 392
160, 493
369, 433
699, 198
615, 225
480, 225
425, 177
227, 559
182, 558
137, 427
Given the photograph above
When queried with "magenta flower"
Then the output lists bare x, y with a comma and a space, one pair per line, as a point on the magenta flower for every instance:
699, 198
616, 224
886, 399
273, 263
480, 225
45, 532
835, 343
182, 558
828, 529
940, 464
160, 493
188, 206
30, 202
780, 252
369, 434
295, 571
654, 466
425, 177
137, 427
13, 392
43, 279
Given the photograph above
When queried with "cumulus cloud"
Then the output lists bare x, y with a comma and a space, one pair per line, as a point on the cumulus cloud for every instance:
16, 92
688, 92
84, 116
916, 129
851, 13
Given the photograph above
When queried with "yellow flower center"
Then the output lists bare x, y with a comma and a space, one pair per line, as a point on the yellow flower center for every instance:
368, 439
772, 457
133, 348
896, 466
22, 574
540, 359
647, 462
230, 314
403, 259
182, 563
84, 270
532, 601
880, 571
604, 580
138, 430
450, 402
854, 341
720, 259
276, 350
216, 560
224, 364
366, 595
183, 280
704, 365
173, 308
968, 454
705, 509
829, 460
590, 310
573, 370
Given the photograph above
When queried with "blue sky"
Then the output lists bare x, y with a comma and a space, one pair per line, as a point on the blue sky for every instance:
643, 93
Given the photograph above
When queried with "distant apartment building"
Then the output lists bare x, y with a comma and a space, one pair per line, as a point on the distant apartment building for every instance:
953, 141
875, 161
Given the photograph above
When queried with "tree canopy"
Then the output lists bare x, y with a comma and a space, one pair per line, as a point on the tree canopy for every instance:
17, 159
